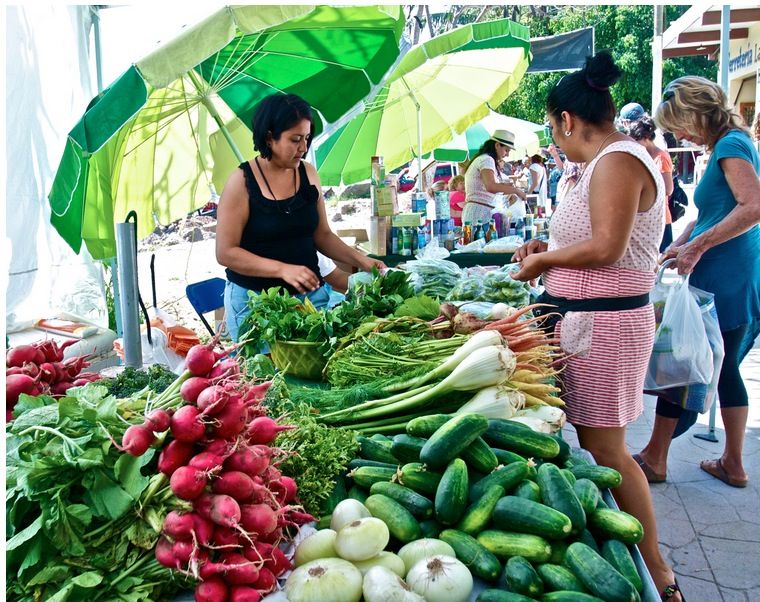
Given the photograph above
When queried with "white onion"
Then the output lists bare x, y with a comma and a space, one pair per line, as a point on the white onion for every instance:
415, 551
534, 423
553, 416
383, 585
387, 560
317, 545
362, 539
325, 579
347, 511
441, 579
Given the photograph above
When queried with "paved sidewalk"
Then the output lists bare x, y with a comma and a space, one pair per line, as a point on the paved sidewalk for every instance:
709, 531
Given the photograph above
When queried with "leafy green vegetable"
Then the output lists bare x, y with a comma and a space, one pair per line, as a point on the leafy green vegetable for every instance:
320, 452
131, 380
421, 306
82, 518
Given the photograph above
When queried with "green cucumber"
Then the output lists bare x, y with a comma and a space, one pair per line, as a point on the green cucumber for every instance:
366, 476
603, 477
479, 456
616, 524
522, 578
431, 528
424, 426
480, 561
559, 549
601, 504
400, 522
617, 554
406, 448
569, 476
518, 515
506, 545
451, 495
337, 495
528, 490
478, 514
372, 449
587, 537
381, 438
324, 521
507, 457
557, 493
569, 596
420, 506
357, 493
559, 578
451, 439
500, 595
508, 435
359, 462
507, 476
564, 449
588, 495
579, 457
415, 476
599, 576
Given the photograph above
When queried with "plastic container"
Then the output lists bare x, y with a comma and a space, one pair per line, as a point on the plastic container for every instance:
377, 172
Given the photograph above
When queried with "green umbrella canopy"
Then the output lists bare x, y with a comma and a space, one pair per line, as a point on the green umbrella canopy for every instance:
151, 142
529, 138
446, 81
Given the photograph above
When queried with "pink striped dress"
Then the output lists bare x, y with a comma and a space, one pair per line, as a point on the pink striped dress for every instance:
604, 377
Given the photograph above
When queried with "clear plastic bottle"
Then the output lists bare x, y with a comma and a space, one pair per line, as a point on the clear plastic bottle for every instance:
406, 241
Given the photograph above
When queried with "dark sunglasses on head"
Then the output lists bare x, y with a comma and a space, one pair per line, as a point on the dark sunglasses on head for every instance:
667, 95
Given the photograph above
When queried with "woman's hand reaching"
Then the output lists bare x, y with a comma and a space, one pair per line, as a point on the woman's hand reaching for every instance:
530, 248
369, 263
299, 277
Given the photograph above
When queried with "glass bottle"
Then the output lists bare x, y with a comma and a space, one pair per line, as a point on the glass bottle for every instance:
406, 241
492, 233
477, 232
467, 233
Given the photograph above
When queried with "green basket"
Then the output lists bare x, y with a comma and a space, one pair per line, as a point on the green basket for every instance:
298, 358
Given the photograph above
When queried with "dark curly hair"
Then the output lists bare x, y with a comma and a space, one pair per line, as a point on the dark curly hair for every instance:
276, 114
586, 93
643, 129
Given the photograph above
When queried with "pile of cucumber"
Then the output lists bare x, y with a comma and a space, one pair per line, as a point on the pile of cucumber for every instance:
518, 507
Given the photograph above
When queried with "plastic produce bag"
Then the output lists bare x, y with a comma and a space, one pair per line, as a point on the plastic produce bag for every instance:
682, 353
432, 250
438, 276
508, 244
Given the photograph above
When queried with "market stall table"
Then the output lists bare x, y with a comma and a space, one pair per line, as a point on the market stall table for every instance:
463, 260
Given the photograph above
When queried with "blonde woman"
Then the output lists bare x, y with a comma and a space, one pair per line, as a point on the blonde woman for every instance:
721, 251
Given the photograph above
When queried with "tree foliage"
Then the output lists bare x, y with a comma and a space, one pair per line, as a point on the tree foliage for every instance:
626, 30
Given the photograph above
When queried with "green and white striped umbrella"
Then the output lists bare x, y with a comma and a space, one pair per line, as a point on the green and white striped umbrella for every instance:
439, 88
529, 138
176, 121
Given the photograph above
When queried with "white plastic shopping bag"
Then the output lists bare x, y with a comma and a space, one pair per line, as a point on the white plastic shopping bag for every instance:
682, 354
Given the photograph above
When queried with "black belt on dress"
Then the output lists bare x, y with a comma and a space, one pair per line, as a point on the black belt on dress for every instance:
564, 305
479, 203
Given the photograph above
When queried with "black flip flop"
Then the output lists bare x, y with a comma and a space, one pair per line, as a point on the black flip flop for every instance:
649, 473
671, 590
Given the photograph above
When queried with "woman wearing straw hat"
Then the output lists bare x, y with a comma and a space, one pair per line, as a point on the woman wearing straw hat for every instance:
483, 180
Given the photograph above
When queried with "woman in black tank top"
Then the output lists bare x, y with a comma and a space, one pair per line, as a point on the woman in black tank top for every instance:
271, 219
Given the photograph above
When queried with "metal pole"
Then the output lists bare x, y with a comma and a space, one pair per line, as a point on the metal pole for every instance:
126, 237
725, 28
94, 11
657, 56
419, 144
206, 101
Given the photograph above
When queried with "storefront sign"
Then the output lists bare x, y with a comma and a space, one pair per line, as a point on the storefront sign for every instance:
744, 58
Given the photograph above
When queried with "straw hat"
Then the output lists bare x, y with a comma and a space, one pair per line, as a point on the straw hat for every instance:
505, 137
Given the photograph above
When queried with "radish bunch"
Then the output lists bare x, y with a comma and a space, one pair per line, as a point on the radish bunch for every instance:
39, 369
219, 459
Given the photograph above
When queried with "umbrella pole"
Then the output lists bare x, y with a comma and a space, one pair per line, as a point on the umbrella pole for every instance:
206, 101
419, 144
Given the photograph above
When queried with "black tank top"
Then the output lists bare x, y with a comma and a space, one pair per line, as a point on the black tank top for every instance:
279, 230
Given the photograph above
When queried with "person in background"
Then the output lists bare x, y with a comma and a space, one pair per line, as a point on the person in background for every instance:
642, 131
456, 198
756, 130
598, 268
555, 174
721, 252
483, 180
336, 280
271, 219
538, 182
571, 171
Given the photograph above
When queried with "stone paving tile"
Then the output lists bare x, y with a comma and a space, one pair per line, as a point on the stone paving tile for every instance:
703, 505
739, 531
735, 595
690, 560
701, 590
734, 563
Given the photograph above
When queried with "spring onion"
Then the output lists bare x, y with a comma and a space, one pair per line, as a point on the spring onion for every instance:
495, 402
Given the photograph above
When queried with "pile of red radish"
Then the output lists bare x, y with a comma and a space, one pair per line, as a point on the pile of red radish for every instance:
39, 369
236, 507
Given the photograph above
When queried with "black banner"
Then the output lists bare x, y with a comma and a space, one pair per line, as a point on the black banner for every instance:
563, 52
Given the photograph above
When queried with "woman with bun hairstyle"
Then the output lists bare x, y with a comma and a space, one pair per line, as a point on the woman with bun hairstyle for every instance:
643, 131
721, 251
598, 268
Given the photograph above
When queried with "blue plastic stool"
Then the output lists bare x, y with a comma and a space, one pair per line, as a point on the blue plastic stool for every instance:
206, 296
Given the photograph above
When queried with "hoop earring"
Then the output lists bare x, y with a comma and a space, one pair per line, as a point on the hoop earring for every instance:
568, 133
